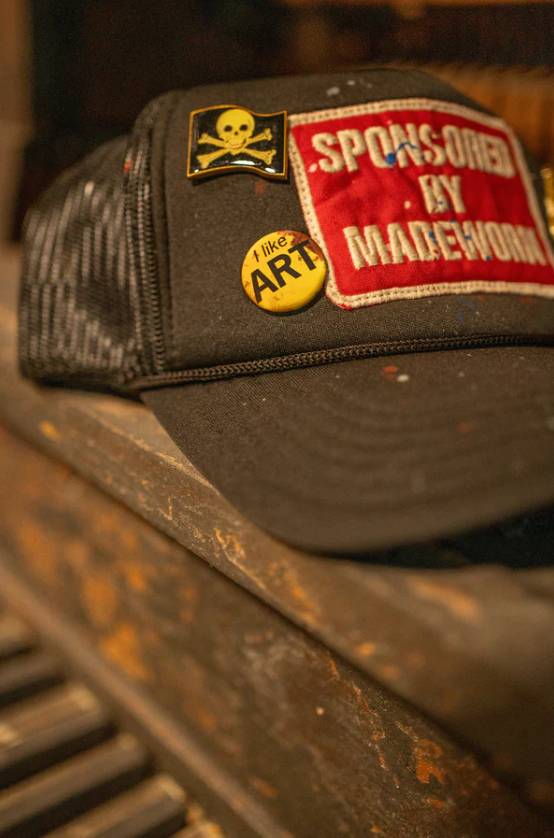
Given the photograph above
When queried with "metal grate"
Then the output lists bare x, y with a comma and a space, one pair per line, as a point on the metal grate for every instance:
66, 770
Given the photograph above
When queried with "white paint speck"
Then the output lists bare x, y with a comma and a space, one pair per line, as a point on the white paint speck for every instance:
402, 378
320, 711
351, 82
313, 167
407, 204
333, 91
89, 188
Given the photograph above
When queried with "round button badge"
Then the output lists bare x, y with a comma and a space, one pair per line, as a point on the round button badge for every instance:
283, 271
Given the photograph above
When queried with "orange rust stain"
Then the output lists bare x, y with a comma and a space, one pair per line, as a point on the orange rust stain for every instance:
465, 428
364, 705
169, 514
389, 372
431, 748
197, 534
264, 788
122, 647
137, 577
377, 831
253, 638
260, 186
366, 649
309, 607
213, 831
360, 697
377, 732
48, 430
458, 602
288, 577
232, 548
99, 598
409, 731
332, 664
437, 804
426, 753
128, 539
426, 769
396, 783
39, 551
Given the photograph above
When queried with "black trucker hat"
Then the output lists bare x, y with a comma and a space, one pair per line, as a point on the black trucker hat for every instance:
335, 292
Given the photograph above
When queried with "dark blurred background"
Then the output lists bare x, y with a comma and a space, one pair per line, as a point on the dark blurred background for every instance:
74, 73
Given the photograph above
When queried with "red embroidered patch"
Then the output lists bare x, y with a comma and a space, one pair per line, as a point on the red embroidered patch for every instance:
414, 197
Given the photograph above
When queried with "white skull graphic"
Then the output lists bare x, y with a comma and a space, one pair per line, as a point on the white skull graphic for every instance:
234, 128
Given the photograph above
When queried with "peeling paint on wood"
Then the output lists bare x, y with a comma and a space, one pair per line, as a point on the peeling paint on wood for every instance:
245, 681
414, 639
48, 430
461, 604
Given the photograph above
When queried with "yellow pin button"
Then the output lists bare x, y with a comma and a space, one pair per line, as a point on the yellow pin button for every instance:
283, 271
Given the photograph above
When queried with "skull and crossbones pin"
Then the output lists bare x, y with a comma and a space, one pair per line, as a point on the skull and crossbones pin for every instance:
235, 128
236, 135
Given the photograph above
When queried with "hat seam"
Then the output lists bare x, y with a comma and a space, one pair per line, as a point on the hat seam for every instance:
321, 357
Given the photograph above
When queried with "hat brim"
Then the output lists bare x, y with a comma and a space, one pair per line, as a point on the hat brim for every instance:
372, 454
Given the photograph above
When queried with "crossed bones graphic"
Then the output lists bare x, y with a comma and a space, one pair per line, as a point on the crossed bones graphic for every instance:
235, 128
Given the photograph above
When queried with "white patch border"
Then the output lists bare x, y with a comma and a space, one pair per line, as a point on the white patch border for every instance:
415, 291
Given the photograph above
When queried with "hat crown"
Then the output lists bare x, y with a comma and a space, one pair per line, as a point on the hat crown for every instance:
131, 273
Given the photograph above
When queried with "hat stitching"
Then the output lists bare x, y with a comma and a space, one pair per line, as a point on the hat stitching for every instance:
434, 289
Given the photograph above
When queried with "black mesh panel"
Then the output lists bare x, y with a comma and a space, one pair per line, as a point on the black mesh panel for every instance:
79, 305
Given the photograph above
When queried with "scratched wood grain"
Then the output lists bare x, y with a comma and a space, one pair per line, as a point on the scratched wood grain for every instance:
471, 645
323, 748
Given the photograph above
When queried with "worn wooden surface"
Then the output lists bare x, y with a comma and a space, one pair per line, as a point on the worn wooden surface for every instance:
471, 645
305, 736
64, 763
